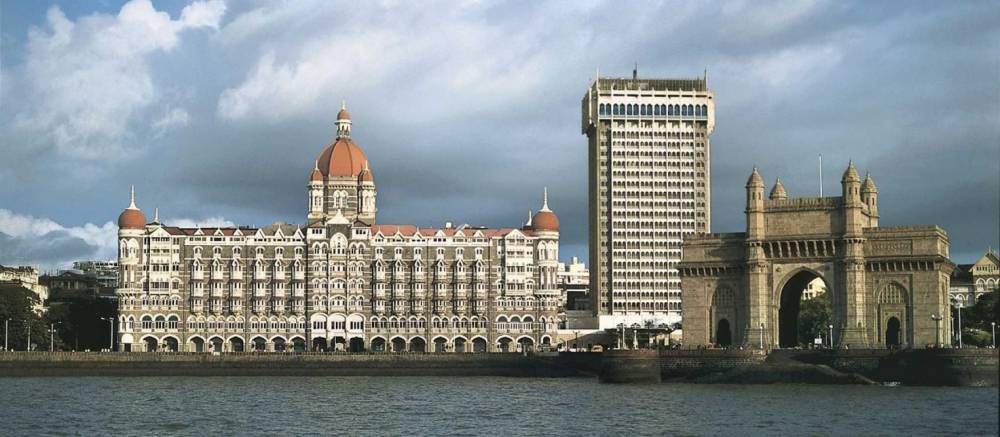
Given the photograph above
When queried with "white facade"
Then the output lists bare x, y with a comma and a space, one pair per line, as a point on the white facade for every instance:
649, 188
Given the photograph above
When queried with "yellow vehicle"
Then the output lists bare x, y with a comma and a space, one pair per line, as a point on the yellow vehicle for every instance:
597, 348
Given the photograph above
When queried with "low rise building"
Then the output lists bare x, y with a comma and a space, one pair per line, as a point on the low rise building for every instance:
969, 282
27, 277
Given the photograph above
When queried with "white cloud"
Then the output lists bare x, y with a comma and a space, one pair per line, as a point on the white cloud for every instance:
210, 222
175, 118
88, 81
30, 238
476, 62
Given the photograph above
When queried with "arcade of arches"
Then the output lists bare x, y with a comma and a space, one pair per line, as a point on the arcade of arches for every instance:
887, 286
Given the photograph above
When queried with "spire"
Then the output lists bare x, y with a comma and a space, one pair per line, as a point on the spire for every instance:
869, 184
528, 223
755, 180
851, 174
131, 203
545, 200
778, 192
316, 165
156, 215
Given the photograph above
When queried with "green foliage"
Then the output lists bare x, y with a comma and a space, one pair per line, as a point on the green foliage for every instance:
17, 310
814, 317
976, 337
982, 313
80, 323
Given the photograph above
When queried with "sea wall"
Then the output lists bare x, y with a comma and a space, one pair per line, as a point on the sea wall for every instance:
277, 364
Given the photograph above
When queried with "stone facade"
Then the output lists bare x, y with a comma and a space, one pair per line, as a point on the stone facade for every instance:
339, 282
887, 286
649, 188
27, 277
969, 282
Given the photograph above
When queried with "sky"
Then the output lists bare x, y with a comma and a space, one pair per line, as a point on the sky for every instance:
216, 110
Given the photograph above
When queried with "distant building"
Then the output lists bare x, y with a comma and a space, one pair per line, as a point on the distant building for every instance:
106, 272
27, 277
814, 288
969, 282
74, 284
574, 285
648, 145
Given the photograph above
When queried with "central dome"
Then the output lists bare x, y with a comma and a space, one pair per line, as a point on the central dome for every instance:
343, 158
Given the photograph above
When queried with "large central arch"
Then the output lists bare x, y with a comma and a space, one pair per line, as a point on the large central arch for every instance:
790, 323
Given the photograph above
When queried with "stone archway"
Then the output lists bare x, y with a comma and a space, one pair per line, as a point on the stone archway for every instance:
893, 333
723, 334
152, 345
356, 344
798, 325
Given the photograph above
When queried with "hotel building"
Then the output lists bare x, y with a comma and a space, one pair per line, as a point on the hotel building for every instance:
649, 154
340, 281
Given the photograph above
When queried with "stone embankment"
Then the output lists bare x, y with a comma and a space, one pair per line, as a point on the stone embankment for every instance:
278, 364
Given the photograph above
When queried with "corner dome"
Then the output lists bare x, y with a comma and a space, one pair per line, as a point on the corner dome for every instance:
343, 158
545, 221
755, 180
131, 217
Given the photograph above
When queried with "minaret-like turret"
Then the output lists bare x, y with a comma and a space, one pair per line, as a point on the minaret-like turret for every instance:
851, 185
755, 206
343, 122
869, 195
315, 193
778, 192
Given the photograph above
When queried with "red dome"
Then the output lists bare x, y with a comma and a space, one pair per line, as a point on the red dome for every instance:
316, 176
545, 221
131, 219
342, 158
343, 115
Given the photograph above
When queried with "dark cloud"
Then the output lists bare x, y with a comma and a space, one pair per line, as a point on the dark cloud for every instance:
467, 112
51, 250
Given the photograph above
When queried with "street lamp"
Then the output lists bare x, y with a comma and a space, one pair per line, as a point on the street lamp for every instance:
635, 336
993, 331
830, 326
937, 329
6, 323
29, 336
111, 341
621, 335
762, 336
958, 305
52, 337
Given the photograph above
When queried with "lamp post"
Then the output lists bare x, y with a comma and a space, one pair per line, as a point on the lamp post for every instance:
29, 336
958, 305
6, 324
111, 338
621, 335
993, 331
576, 340
762, 336
937, 329
830, 327
52, 337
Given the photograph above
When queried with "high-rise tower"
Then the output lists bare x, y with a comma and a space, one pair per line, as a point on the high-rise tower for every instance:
649, 188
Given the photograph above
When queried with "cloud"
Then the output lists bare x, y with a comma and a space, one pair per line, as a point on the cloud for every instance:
41, 241
175, 118
89, 81
210, 222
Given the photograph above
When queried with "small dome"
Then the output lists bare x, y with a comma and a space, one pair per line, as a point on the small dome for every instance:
778, 192
869, 185
755, 180
344, 115
851, 174
316, 175
366, 174
545, 221
342, 158
131, 219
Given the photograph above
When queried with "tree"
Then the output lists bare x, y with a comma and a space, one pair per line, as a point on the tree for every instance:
17, 309
982, 313
814, 317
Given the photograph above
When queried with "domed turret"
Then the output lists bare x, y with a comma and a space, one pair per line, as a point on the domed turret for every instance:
869, 185
131, 217
343, 158
851, 174
755, 180
316, 175
778, 192
545, 219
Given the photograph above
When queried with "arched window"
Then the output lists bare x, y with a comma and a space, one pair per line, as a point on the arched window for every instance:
670, 110
628, 109
656, 109
642, 110
147, 322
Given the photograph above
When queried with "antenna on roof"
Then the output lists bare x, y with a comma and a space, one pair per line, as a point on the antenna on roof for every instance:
820, 175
